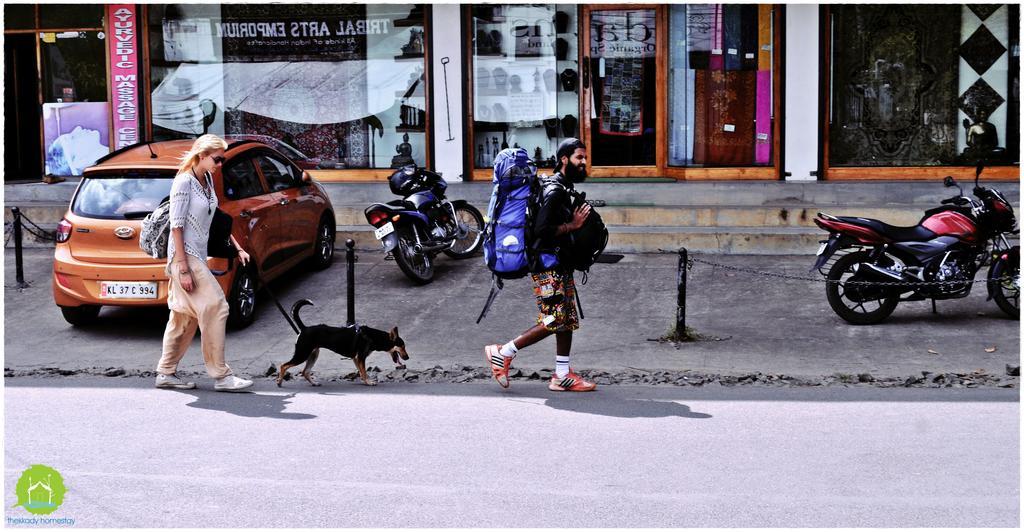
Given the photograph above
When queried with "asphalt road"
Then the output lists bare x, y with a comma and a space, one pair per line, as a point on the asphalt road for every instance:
766, 324
346, 455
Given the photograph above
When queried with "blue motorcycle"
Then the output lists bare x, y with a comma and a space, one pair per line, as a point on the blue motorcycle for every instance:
424, 223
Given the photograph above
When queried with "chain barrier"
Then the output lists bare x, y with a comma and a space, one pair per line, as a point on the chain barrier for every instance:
8, 232
36, 231
691, 260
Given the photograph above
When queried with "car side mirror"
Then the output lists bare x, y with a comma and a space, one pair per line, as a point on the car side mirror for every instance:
306, 178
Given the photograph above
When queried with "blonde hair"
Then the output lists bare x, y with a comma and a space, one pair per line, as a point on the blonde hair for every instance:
202, 147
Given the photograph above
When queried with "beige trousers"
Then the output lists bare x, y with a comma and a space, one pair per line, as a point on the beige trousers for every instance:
204, 308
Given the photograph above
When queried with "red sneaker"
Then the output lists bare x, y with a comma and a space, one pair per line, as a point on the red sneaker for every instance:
499, 364
570, 383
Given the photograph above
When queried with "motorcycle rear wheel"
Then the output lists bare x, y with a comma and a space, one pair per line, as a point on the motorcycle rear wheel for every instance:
1006, 292
466, 247
419, 267
855, 312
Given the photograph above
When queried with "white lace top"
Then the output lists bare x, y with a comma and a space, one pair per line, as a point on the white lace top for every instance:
192, 209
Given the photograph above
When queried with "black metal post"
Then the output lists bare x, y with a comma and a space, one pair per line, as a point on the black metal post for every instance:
448, 108
681, 301
19, 265
350, 259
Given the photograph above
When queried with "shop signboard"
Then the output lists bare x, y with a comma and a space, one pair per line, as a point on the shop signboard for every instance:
622, 34
124, 73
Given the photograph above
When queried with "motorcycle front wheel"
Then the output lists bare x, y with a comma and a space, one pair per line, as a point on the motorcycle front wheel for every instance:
416, 266
857, 304
468, 216
1005, 286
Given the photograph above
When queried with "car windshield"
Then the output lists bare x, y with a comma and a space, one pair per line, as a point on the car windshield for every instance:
124, 196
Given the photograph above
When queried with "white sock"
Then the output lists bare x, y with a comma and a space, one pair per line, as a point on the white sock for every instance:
561, 365
508, 350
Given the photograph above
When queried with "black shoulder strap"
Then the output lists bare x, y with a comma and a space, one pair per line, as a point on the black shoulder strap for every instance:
496, 285
579, 306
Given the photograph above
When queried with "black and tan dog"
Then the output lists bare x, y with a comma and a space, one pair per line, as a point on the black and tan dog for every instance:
355, 342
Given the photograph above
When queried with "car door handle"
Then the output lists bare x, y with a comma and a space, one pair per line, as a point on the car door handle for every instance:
245, 213
285, 201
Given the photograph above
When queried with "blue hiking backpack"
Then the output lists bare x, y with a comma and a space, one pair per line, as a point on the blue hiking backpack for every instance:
508, 233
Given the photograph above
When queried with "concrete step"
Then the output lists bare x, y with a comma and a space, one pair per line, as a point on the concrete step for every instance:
622, 239
711, 215
689, 215
762, 193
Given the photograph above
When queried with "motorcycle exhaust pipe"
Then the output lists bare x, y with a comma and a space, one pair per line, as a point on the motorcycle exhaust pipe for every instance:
425, 248
884, 273
887, 274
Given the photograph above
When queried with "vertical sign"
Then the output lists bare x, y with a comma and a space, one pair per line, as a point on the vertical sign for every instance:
124, 74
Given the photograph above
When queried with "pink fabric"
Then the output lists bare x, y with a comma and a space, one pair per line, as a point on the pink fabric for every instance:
763, 131
717, 59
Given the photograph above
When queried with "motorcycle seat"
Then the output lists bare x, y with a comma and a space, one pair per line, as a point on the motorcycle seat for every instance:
893, 232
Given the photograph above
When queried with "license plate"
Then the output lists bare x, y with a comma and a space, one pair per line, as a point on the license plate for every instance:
821, 249
127, 290
384, 230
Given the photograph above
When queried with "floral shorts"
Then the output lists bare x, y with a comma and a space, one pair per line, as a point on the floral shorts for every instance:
556, 299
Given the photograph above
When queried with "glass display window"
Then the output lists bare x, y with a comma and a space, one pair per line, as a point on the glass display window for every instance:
342, 86
923, 85
525, 79
622, 66
76, 115
721, 85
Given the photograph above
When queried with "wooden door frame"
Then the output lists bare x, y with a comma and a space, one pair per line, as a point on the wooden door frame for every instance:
661, 90
884, 173
661, 167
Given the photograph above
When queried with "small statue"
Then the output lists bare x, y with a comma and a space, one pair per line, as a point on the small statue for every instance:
415, 45
404, 157
981, 136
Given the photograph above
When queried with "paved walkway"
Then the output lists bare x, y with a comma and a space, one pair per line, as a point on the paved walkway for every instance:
765, 325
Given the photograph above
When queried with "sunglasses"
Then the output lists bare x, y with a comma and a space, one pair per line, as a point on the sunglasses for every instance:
217, 159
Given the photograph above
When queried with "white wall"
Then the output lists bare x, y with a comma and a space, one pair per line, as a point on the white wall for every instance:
446, 40
801, 79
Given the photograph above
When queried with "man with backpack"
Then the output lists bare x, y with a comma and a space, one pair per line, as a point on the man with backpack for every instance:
553, 282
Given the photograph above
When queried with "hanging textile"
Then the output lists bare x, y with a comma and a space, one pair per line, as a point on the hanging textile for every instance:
731, 34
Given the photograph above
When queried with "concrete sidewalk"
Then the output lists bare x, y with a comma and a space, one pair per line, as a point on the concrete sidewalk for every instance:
766, 325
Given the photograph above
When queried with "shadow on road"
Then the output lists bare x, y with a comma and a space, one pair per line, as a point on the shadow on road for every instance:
245, 404
625, 408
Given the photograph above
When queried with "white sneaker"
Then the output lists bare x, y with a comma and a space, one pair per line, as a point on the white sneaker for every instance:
173, 382
231, 383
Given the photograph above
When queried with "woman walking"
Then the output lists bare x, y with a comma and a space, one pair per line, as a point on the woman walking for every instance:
194, 297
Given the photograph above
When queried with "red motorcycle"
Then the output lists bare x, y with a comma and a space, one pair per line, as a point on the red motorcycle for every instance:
935, 259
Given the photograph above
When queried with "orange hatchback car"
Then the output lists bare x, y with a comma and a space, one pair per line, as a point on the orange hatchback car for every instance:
281, 218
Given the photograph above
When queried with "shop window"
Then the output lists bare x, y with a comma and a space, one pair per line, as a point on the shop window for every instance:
58, 16
923, 85
526, 79
76, 115
342, 84
623, 86
720, 85
19, 16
